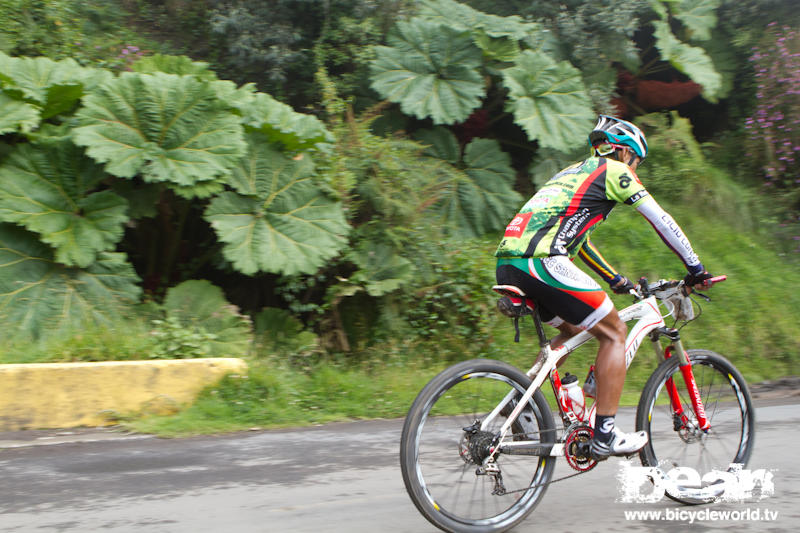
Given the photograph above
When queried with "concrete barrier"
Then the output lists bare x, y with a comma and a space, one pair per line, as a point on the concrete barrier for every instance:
63, 395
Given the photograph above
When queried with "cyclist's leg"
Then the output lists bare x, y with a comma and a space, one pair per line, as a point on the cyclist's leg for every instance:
610, 370
609, 367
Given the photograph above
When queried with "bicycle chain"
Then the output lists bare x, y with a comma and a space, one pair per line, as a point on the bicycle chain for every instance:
549, 482
552, 480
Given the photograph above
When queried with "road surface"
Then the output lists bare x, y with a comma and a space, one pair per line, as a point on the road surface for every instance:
340, 477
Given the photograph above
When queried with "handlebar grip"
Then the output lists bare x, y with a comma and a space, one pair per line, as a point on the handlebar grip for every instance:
716, 279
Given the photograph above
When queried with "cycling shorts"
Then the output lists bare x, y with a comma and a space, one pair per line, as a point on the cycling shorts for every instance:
562, 290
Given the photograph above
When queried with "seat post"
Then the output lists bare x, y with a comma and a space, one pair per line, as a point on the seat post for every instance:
537, 321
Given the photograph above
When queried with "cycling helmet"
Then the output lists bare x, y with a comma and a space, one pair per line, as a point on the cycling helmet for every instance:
618, 133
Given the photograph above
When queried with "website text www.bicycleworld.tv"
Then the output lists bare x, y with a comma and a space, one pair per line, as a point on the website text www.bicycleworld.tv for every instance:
681, 514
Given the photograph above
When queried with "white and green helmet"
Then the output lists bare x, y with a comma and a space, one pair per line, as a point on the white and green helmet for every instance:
618, 132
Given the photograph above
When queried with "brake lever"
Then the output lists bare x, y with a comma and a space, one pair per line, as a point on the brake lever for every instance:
703, 296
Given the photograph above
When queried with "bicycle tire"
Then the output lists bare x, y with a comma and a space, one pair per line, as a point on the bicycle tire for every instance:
729, 409
437, 465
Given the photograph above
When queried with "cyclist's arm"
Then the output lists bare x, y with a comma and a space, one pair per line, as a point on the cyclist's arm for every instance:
591, 256
670, 233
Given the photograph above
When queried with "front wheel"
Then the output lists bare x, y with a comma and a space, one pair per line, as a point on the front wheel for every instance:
676, 441
448, 434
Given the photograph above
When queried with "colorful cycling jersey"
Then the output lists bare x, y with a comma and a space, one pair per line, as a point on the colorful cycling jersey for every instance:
558, 219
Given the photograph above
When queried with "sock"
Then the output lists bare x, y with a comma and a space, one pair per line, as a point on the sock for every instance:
603, 428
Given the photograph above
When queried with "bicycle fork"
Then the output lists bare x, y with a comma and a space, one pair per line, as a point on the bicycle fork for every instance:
681, 420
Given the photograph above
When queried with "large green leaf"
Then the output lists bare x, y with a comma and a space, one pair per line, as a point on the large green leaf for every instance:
548, 100
381, 269
279, 221
50, 189
480, 199
431, 70
502, 49
441, 143
17, 115
462, 17
200, 305
53, 86
691, 60
40, 297
282, 124
167, 128
180, 65
725, 61
699, 17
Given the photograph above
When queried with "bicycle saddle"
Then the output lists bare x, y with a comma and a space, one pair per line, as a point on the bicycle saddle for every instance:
513, 303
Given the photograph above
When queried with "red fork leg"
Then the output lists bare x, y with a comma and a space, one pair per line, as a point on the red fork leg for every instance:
674, 397
694, 394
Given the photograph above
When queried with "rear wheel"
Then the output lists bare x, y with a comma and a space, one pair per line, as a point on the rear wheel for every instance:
443, 448
681, 443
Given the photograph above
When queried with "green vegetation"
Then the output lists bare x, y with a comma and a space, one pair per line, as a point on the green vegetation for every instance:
343, 244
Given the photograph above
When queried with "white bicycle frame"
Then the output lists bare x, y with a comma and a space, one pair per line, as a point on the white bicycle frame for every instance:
648, 316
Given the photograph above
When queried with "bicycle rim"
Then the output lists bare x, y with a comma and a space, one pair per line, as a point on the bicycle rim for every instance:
440, 466
729, 410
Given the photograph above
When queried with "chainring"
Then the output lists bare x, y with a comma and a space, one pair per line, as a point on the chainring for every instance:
576, 447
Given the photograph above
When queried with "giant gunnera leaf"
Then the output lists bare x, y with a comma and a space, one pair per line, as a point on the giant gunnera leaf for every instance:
282, 124
41, 297
431, 70
201, 306
548, 100
691, 60
699, 17
50, 189
17, 115
480, 196
278, 220
485, 199
167, 128
180, 65
462, 17
52, 87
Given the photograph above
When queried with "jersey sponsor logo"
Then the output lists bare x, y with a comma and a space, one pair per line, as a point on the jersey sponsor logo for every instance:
543, 198
517, 226
670, 224
564, 271
571, 228
638, 196
624, 181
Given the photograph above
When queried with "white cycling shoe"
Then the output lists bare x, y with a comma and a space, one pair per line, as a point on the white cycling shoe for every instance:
621, 444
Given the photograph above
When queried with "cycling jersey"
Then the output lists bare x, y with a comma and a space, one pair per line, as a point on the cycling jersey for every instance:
559, 218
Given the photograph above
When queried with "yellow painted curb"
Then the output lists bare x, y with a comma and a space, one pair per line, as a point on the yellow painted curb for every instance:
62, 395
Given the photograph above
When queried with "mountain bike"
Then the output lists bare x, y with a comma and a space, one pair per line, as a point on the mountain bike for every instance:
479, 443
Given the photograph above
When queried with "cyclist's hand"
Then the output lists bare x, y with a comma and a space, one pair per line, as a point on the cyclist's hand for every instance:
697, 281
621, 285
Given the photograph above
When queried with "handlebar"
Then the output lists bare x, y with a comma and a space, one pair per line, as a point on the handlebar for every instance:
644, 289
716, 279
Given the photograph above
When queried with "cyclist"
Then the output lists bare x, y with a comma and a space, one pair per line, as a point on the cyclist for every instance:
553, 227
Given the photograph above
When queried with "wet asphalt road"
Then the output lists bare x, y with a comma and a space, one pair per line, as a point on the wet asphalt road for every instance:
340, 477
